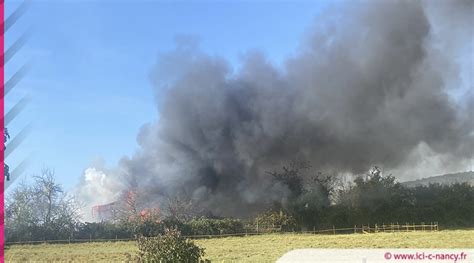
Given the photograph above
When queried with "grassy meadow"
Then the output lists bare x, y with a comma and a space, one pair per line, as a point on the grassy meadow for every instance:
262, 248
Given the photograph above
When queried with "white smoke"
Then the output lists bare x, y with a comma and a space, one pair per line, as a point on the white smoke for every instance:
97, 188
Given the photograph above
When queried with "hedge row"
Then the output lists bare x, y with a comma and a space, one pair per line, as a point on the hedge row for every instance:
197, 226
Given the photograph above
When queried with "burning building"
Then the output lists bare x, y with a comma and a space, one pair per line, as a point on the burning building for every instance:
106, 212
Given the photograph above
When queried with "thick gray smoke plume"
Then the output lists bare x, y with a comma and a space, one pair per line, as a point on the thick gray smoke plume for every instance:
371, 86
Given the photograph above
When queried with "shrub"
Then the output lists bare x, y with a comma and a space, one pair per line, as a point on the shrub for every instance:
168, 247
207, 226
203, 226
148, 228
274, 219
230, 226
105, 230
172, 223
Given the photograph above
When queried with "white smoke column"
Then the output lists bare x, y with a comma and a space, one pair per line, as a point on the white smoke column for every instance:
97, 188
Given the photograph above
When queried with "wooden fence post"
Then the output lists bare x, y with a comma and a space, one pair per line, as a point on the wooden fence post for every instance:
355, 229
333, 229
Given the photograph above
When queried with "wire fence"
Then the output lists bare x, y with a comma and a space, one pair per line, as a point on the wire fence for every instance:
361, 229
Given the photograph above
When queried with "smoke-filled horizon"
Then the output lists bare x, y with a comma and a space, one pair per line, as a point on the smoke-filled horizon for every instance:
372, 84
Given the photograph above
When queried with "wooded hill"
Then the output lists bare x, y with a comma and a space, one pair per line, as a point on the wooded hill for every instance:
445, 179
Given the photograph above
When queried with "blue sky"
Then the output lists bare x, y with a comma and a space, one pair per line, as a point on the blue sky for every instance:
90, 83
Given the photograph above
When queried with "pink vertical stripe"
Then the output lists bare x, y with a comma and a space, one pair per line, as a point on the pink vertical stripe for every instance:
2, 150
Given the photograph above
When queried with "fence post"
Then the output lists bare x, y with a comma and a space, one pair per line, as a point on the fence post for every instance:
355, 229
257, 225
333, 229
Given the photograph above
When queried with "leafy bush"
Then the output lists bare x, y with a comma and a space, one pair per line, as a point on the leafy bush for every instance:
275, 219
172, 223
229, 226
105, 230
206, 226
148, 228
170, 247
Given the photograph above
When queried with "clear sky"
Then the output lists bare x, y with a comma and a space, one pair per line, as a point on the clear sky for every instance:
90, 84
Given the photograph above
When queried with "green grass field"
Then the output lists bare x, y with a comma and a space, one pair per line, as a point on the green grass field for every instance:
263, 248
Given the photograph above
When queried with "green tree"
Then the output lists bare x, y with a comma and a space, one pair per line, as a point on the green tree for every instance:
376, 198
6, 168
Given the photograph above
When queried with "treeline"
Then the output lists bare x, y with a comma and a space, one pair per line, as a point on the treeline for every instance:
324, 202
121, 230
194, 227
43, 211
450, 205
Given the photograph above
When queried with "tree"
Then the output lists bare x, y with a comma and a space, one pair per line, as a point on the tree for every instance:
377, 198
180, 208
310, 196
450, 205
41, 210
291, 177
6, 168
327, 185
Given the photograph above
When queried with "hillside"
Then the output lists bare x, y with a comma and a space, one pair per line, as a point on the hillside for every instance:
467, 177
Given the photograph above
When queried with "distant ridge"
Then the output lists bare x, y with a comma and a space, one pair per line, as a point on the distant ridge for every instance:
446, 179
